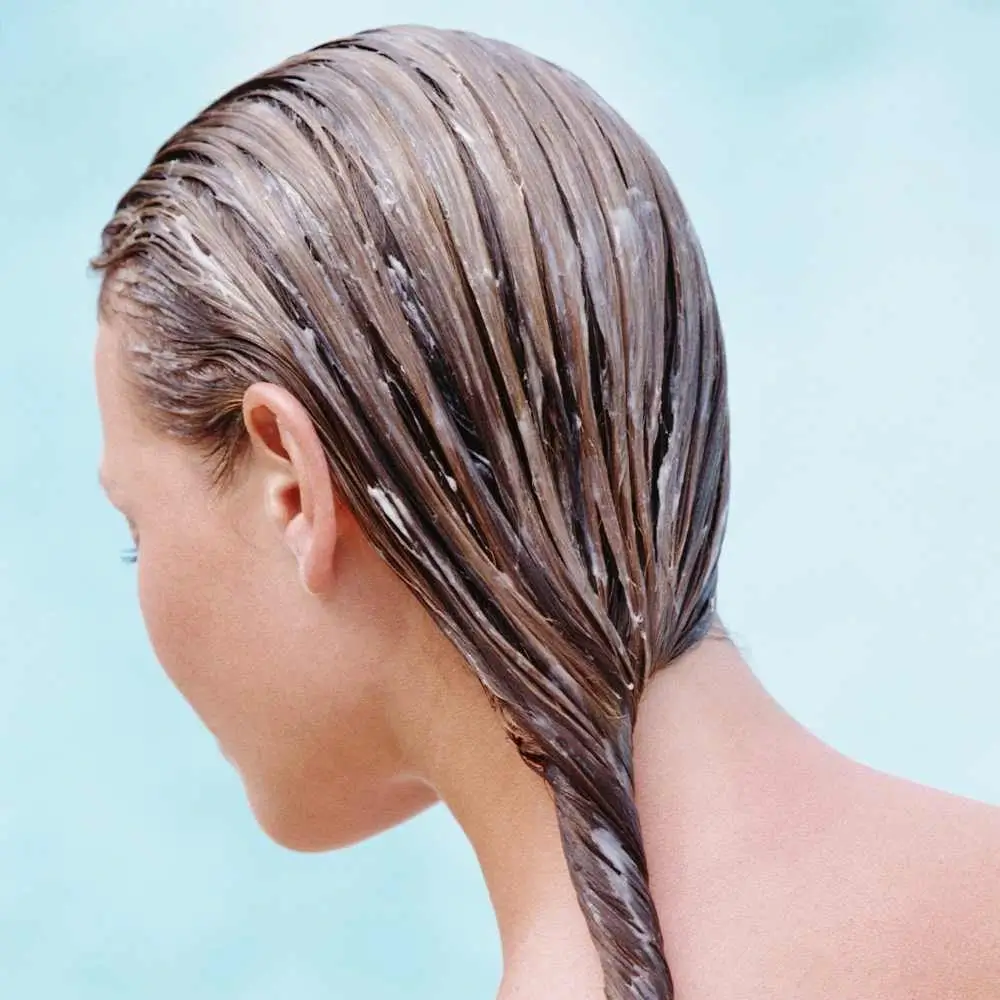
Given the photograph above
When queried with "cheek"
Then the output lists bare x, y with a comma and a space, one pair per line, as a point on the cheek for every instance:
290, 689
185, 617
230, 633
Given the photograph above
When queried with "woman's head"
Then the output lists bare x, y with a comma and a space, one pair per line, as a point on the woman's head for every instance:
423, 299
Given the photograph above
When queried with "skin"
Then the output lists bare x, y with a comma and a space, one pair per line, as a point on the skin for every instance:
779, 867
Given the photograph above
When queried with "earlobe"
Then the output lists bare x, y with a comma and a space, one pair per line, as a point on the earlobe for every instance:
298, 542
312, 542
307, 533
283, 503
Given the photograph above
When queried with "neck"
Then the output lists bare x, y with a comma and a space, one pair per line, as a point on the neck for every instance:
718, 763
727, 783
507, 813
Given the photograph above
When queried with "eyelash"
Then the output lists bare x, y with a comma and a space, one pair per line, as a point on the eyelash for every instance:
131, 555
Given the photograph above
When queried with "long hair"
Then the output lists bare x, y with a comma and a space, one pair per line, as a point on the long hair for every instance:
483, 286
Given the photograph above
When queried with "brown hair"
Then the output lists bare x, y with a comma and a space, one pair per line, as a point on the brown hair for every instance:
484, 288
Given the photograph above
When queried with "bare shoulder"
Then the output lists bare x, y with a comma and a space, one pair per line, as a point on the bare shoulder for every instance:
919, 875
942, 833
898, 900
945, 855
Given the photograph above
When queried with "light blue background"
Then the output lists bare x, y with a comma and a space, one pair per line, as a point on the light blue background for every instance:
840, 161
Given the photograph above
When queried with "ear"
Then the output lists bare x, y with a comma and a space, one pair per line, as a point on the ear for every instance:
299, 494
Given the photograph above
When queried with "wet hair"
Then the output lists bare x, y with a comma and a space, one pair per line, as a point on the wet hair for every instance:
482, 285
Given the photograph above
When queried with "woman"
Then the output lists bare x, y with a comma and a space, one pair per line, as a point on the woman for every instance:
412, 385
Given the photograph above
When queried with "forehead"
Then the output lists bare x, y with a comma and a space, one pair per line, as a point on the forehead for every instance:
112, 397
126, 440
137, 463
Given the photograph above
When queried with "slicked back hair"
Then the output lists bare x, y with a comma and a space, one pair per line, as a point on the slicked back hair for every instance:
483, 286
